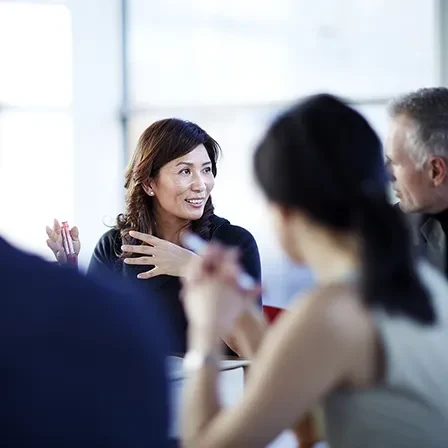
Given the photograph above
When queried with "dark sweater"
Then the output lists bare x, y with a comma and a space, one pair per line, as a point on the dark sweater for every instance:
165, 287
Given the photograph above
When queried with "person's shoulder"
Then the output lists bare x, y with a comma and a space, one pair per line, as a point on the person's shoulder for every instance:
13, 259
110, 238
331, 296
38, 272
28, 278
236, 236
337, 308
231, 234
108, 246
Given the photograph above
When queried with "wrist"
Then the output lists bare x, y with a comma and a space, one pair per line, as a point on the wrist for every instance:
204, 339
183, 270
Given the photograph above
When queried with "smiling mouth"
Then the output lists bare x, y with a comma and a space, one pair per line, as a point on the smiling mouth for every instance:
196, 201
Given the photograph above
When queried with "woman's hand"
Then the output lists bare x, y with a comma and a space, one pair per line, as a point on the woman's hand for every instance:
54, 241
167, 258
212, 298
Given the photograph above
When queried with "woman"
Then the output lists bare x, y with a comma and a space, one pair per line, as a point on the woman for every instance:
368, 342
168, 186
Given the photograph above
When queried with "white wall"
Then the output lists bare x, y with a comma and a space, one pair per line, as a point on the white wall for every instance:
36, 140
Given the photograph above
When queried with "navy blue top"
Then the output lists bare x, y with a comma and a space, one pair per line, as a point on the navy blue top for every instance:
107, 255
78, 368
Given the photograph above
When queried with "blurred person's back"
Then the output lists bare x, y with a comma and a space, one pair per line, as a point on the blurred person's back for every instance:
80, 364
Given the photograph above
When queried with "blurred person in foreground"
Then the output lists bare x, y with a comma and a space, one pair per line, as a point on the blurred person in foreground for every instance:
78, 366
169, 182
417, 160
368, 342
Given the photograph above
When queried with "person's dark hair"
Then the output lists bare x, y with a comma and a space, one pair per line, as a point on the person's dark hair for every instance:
160, 143
323, 158
428, 110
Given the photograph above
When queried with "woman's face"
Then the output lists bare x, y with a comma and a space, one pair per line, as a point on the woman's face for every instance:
183, 186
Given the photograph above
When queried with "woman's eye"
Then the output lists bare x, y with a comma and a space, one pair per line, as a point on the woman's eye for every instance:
208, 170
185, 171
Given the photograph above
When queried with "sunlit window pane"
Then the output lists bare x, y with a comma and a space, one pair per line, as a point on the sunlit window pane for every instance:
377, 116
251, 52
35, 54
36, 175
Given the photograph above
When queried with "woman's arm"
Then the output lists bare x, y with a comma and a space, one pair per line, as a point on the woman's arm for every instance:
301, 359
246, 340
250, 328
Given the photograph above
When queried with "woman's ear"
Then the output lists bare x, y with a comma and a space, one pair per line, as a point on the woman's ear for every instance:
148, 188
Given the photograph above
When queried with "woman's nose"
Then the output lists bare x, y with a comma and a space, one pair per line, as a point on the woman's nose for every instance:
198, 183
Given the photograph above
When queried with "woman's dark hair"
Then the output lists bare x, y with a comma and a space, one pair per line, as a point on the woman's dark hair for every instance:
160, 143
322, 157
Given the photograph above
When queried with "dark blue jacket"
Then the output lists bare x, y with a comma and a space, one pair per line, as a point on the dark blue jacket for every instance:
78, 362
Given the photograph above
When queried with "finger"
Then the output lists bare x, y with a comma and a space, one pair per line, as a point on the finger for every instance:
211, 257
146, 250
140, 260
74, 233
150, 239
52, 245
149, 274
203, 266
254, 293
56, 226
49, 231
52, 234
229, 272
222, 261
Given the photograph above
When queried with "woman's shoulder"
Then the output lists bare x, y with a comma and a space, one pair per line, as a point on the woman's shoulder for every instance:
111, 238
341, 297
230, 234
335, 309
109, 245
106, 253
333, 317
